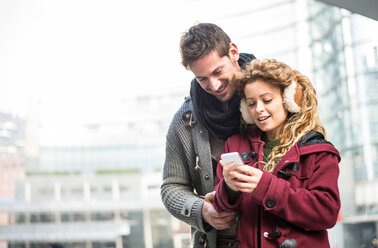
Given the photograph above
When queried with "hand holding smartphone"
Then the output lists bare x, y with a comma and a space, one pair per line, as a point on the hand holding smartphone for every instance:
232, 157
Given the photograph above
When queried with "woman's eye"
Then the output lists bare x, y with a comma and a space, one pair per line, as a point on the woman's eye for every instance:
251, 104
267, 101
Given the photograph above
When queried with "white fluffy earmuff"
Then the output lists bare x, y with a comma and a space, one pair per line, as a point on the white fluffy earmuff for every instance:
245, 111
292, 96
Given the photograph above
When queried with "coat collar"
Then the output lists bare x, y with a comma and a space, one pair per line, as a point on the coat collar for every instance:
312, 142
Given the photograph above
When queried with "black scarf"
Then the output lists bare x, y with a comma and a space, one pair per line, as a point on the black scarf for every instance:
208, 109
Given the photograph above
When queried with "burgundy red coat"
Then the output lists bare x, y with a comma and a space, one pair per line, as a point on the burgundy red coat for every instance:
293, 205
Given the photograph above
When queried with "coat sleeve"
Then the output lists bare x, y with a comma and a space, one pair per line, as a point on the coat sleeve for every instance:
221, 201
314, 207
176, 191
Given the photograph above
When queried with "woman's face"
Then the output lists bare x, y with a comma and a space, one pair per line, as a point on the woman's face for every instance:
266, 107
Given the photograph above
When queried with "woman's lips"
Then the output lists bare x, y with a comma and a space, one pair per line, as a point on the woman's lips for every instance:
263, 119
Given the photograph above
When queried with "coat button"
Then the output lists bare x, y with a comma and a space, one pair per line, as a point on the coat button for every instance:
266, 234
202, 241
207, 177
270, 203
245, 156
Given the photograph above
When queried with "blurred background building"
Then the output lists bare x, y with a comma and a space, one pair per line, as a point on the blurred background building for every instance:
12, 162
345, 72
95, 183
100, 189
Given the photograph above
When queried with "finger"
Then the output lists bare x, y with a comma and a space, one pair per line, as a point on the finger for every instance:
245, 169
244, 178
220, 225
228, 166
228, 174
229, 219
225, 222
224, 215
210, 196
232, 174
221, 163
243, 185
248, 188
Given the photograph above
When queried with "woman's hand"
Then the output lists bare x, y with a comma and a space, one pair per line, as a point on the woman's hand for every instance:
229, 174
244, 178
248, 178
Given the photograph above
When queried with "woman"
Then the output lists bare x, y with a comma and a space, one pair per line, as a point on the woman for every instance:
286, 192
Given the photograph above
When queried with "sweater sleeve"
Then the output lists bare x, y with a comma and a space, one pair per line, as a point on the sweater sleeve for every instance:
314, 207
177, 192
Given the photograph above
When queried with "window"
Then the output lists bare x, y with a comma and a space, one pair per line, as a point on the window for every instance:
73, 217
102, 216
42, 217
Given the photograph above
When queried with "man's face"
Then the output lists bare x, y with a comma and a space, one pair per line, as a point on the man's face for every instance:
213, 73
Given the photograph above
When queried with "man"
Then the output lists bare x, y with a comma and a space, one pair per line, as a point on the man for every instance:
198, 132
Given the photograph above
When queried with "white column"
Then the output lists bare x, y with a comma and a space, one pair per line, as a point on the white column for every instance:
87, 191
147, 228
119, 242
115, 190
27, 192
88, 244
57, 191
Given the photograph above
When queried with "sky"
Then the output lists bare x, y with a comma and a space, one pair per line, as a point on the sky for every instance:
62, 54
75, 61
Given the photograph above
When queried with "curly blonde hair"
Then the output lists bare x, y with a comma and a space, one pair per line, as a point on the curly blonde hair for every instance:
297, 124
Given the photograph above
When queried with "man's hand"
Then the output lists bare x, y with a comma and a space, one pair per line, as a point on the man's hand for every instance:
219, 220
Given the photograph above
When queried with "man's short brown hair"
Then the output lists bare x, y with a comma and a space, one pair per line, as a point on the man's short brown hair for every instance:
200, 40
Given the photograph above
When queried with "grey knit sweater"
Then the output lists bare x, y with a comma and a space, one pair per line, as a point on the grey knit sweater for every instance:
188, 173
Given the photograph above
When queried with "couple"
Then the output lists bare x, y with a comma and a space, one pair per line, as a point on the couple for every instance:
286, 193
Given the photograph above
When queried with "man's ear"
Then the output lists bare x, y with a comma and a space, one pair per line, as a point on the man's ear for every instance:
234, 52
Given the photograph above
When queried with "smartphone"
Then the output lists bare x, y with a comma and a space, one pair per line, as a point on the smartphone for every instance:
232, 157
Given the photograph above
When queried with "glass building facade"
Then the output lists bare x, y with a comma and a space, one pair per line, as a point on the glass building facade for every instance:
345, 72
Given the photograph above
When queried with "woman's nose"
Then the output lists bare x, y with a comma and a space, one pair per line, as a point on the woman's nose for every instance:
259, 106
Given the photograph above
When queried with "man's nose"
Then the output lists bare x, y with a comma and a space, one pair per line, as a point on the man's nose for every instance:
214, 84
